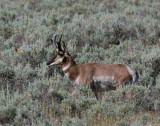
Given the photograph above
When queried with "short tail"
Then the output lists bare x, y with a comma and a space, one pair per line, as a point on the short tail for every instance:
134, 74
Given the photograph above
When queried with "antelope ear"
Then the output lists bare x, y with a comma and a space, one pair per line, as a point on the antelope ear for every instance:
66, 53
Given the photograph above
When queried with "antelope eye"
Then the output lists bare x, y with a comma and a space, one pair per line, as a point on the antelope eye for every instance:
61, 54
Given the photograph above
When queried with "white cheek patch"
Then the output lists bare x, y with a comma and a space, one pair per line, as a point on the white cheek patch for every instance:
56, 62
103, 78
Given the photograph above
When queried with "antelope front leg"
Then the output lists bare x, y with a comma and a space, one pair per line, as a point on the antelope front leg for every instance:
73, 93
76, 86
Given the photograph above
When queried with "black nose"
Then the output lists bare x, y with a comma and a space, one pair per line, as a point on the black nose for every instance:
47, 63
51, 60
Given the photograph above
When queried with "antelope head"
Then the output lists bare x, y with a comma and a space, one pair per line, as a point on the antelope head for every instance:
61, 52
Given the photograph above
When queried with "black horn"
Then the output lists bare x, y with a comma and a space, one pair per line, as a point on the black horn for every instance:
60, 38
59, 43
64, 46
54, 42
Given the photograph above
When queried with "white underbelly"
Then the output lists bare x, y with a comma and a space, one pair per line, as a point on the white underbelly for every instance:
103, 83
103, 79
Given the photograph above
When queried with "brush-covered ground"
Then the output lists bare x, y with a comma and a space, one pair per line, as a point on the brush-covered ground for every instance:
101, 31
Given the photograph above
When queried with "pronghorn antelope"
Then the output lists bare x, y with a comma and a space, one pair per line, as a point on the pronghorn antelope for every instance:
101, 77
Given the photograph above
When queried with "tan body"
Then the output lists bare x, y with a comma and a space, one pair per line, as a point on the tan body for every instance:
95, 74
89, 72
101, 77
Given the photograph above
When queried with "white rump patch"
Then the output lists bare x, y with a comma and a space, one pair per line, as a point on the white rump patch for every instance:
66, 67
103, 78
56, 62
132, 73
